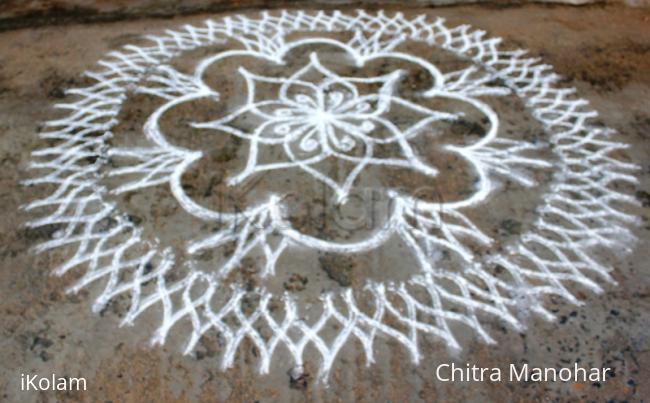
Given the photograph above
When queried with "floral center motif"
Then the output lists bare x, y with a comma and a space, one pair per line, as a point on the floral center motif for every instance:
333, 123
326, 115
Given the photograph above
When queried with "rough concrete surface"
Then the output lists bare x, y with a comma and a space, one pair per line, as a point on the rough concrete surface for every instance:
602, 50
16, 13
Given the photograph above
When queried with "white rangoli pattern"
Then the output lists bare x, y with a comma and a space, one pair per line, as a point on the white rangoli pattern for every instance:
317, 114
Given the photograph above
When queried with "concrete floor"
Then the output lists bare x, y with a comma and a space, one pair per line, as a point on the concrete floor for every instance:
604, 51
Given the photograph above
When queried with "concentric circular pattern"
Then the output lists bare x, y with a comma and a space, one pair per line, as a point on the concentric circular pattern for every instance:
203, 169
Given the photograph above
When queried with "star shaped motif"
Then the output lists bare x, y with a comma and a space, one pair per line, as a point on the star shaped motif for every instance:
318, 114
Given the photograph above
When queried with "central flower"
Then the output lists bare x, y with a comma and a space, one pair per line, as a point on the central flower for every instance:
337, 124
319, 114
317, 118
